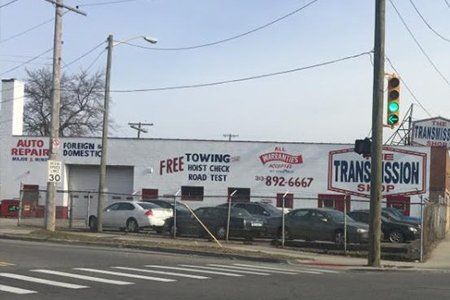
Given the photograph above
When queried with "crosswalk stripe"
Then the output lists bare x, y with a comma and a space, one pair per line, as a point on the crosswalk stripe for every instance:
310, 271
195, 270
43, 281
228, 270
163, 273
84, 277
253, 269
126, 275
14, 290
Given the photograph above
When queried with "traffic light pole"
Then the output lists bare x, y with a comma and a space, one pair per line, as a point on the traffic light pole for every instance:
377, 137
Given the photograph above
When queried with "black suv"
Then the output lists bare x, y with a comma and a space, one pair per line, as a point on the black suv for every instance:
242, 224
394, 231
267, 212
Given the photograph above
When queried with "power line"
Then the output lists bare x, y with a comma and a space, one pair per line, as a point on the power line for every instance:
84, 55
407, 87
26, 62
229, 38
27, 30
418, 44
95, 60
105, 3
428, 24
448, 3
6, 4
244, 78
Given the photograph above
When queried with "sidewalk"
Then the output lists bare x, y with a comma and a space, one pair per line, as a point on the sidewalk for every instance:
440, 258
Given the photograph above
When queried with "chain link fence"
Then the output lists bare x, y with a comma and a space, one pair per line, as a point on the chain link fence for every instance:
329, 227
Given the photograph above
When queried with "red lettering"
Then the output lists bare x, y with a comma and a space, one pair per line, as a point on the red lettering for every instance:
361, 187
40, 143
388, 156
389, 187
161, 166
169, 166
14, 151
46, 152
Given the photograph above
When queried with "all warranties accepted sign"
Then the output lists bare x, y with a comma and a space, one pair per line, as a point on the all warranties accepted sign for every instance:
403, 172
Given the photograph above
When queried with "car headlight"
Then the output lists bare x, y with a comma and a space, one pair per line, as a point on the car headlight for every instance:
361, 230
413, 229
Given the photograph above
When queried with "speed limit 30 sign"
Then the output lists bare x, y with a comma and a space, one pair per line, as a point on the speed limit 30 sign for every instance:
54, 171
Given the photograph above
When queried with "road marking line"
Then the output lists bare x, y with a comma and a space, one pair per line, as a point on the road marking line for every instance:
5, 264
43, 281
228, 270
14, 290
253, 269
310, 271
195, 270
84, 277
163, 273
126, 275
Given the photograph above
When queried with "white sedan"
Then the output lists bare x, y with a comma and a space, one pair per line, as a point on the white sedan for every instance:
132, 216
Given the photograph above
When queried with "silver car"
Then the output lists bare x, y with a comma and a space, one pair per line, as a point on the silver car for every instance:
132, 216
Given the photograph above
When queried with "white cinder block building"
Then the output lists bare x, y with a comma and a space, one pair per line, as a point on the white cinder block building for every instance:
309, 173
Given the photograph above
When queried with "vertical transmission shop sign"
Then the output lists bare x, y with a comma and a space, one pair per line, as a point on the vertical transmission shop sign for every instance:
54, 171
431, 132
403, 172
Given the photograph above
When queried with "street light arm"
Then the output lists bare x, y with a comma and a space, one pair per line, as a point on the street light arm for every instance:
146, 38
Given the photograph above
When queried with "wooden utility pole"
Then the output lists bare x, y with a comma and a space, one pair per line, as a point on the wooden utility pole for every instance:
50, 203
377, 137
138, 127
102, 189
230, 136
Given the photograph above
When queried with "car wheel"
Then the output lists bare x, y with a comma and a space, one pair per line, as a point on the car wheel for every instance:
132, 225
221, 232
93, 223
339, 238
396, 236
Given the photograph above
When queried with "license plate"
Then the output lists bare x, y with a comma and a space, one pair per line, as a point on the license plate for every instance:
256, 224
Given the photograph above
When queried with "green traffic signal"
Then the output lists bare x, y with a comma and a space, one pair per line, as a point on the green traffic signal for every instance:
393, 107
392, 120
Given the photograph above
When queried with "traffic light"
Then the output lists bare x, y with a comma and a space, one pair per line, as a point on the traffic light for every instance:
363, 147
393, 101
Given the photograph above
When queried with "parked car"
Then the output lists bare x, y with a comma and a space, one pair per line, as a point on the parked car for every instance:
323, 224
393, 231
400, 216
164, 203
267, 212
242, 224
132, 216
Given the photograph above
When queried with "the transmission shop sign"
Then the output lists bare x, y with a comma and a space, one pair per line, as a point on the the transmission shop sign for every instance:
431, 132
403, 172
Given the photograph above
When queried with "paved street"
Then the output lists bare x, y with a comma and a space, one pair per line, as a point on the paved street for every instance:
30, 270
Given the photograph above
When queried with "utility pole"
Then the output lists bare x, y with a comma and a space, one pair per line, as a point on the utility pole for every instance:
102, 189
50, 203
230, 136
377, 137
138, 127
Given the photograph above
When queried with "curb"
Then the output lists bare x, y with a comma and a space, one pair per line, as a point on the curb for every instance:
190, 251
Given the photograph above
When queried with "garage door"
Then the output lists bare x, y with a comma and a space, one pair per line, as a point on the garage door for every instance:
84, 181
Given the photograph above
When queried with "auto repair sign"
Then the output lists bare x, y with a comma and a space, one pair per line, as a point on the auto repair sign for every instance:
403, 172
431, 132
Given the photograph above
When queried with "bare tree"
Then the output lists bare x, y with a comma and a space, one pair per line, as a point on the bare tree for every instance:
81, 103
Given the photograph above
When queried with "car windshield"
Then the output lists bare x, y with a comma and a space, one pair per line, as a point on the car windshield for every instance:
390, 215
272, 209
241, 213
395, 212
148, 205
338, 216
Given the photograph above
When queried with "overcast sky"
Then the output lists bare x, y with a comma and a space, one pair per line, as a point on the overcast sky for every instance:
326, 104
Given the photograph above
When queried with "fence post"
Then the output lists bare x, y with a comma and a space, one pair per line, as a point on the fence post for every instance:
19, 213
230, 198
88, 207
345, 224
283, 206
70, 210
175, 216
421, 228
